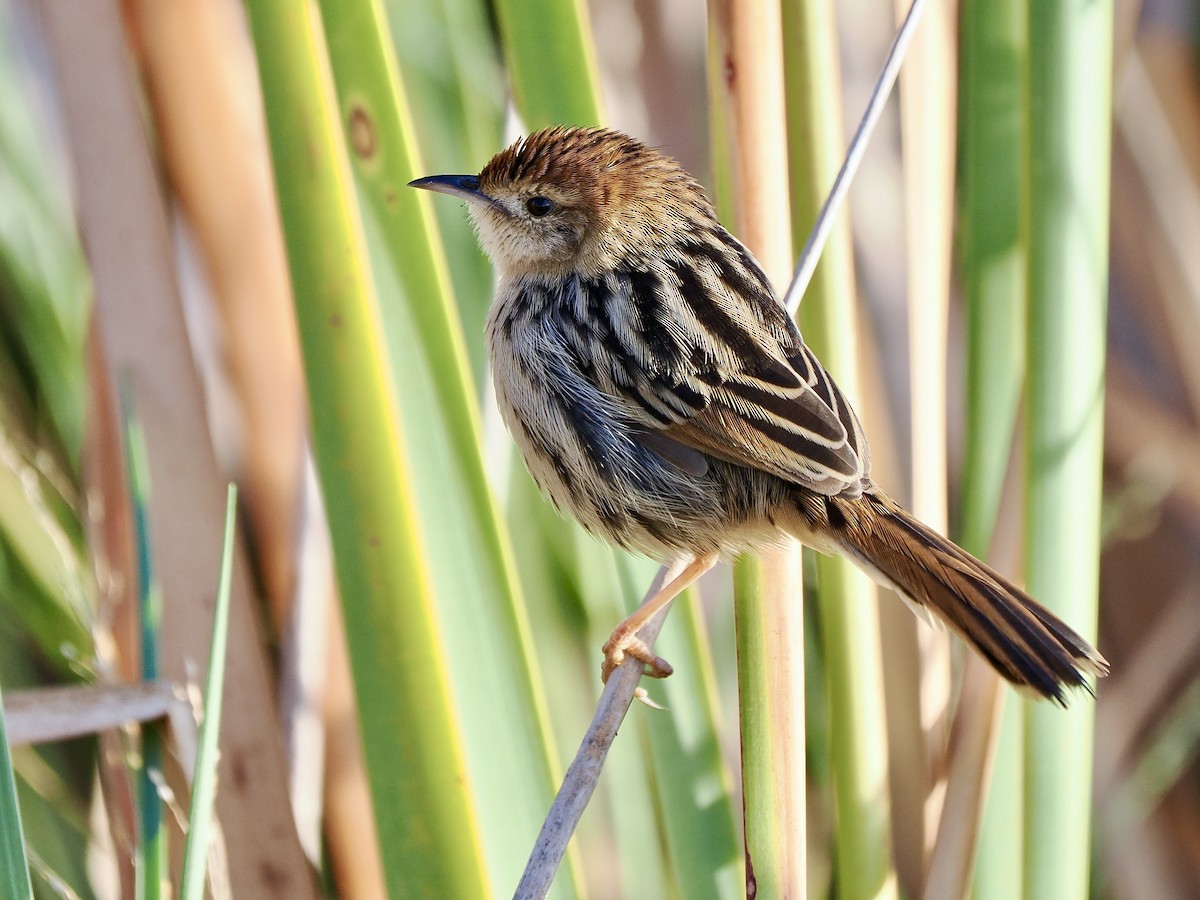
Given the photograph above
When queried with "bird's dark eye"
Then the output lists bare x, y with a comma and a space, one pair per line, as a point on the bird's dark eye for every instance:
539, 206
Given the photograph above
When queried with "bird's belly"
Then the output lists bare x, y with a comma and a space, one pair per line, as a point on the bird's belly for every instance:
588, 461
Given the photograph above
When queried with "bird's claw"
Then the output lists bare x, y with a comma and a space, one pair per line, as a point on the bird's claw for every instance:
641, 696
620, 646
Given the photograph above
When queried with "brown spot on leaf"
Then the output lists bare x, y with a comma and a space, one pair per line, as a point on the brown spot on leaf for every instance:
362, 133
274, 878
239, 774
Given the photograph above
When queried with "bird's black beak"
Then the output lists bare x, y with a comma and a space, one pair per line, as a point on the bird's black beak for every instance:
465, 186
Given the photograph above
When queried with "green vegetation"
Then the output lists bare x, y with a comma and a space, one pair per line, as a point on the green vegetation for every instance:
473, 615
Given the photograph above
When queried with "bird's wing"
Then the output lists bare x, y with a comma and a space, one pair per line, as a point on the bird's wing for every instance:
803, 431
704, 359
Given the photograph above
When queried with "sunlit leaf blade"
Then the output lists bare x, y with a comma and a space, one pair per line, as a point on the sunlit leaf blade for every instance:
427, 827
693, 783
767, 714
204, 777
1069, 116
498, 691
46, 588
14, 872
846, 600
551, 62
498, 694
992, 256
746, 49
151, 865
450, 70
44, 290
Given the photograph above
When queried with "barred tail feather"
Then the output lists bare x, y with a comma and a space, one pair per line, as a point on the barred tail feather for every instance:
1024, 641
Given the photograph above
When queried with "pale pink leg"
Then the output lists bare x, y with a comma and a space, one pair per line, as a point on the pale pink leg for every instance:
624, 640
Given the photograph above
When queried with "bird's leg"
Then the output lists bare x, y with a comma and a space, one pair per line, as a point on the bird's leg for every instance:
624, 640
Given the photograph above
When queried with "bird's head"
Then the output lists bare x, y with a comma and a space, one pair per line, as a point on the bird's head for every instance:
582, 200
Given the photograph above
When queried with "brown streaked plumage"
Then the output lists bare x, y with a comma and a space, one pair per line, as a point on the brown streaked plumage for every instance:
659, 393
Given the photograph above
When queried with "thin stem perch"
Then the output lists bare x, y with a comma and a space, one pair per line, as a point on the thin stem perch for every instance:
841, 185
580, 781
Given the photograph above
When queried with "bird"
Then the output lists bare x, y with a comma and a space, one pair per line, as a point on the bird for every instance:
659, 392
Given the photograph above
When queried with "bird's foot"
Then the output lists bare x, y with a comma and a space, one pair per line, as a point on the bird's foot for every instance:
623, 644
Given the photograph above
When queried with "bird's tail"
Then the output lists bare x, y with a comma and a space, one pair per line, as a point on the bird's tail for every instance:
1024, 641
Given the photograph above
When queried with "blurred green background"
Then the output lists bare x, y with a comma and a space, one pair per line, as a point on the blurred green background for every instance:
203, 208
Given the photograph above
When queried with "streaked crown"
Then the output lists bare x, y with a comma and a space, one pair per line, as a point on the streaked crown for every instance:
577, 199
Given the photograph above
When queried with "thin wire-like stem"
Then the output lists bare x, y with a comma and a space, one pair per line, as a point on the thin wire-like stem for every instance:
580, 781
858, 146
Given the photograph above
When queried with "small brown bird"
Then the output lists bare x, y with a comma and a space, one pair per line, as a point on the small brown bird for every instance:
660, 393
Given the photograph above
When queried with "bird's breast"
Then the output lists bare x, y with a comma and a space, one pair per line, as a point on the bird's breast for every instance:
577, 442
